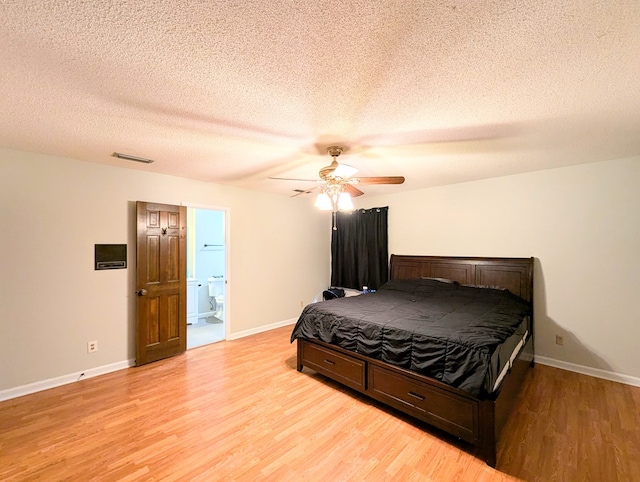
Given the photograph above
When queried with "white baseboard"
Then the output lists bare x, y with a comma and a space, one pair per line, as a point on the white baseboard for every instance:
63, 380
593, 372
260, 329
205, 314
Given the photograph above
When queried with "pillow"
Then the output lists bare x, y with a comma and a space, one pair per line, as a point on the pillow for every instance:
485, 287
418, 285
442, 280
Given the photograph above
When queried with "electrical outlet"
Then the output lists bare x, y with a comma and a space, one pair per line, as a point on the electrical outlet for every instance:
559, 340
92, 346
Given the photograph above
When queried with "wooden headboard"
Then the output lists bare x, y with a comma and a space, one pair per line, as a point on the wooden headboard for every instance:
514, 274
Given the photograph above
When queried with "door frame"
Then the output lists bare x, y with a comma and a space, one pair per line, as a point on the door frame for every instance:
227, 257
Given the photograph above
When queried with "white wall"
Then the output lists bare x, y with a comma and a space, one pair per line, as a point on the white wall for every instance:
582, 224
52, 302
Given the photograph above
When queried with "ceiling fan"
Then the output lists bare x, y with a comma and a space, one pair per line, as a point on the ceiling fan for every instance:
338, 184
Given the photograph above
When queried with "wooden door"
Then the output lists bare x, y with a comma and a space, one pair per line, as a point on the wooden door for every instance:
161, 308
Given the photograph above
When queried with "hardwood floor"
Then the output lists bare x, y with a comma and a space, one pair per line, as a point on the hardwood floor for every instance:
238, 410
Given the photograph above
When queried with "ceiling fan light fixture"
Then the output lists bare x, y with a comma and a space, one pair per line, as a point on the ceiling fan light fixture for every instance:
344, 202
323, 202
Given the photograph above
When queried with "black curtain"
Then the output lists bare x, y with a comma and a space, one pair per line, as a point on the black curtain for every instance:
359, 249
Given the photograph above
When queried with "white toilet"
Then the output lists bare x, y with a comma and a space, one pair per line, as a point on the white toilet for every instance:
216, 292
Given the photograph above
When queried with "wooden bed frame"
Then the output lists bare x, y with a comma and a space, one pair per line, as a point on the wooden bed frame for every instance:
475, 420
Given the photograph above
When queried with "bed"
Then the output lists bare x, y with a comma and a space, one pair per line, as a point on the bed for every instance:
448, 340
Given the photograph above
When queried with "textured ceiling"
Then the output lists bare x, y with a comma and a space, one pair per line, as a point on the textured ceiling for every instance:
233, 92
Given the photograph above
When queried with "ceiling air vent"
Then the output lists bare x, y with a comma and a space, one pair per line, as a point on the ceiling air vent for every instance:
119, 155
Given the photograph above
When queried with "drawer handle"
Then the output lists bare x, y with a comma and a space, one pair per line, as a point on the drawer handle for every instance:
329, 362
415, 395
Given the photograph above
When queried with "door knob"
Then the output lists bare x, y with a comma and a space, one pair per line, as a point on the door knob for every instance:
142, 292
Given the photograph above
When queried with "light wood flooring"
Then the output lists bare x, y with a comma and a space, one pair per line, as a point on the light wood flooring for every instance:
239, 410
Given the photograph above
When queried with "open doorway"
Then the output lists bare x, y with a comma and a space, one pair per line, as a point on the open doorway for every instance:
206, 276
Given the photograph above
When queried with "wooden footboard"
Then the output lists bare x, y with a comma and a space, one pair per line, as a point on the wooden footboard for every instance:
477, 421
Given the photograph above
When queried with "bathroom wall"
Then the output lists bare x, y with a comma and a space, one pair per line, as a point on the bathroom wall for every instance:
210, 259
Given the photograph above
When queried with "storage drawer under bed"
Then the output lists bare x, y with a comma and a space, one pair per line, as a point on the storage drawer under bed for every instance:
342, 368
455, 414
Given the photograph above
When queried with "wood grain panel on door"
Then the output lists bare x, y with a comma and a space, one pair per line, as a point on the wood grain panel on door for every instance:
161, 282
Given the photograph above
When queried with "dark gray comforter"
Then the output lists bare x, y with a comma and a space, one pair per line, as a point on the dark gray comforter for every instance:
439, 329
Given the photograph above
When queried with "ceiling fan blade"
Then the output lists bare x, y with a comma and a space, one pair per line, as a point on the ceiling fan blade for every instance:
381, 180
303, 191
293, 179
352, 190
344, 171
